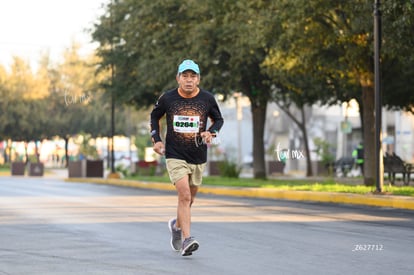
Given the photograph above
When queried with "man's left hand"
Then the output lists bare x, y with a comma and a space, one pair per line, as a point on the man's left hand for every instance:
206, 136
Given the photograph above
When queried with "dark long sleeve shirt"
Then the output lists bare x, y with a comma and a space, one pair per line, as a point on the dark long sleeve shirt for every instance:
186, 118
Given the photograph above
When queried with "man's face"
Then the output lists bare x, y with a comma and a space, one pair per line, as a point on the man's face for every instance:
188, 81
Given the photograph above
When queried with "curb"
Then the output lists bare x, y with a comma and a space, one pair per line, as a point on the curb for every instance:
389, 201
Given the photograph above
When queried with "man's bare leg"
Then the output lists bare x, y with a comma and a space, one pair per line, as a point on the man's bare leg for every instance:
184, 203
193, 190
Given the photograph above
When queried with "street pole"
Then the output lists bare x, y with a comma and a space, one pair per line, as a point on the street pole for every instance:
378, 101
112, 66
112, 120
239, 114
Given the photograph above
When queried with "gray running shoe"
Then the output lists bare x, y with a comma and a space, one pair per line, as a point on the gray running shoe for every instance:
189, 246
176, 241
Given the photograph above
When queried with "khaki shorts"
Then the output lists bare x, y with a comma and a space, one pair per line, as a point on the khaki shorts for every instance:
177, 169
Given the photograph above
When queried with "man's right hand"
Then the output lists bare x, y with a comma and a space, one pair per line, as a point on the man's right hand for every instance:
159, 148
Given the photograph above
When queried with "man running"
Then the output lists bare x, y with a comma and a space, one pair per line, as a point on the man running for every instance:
187, 109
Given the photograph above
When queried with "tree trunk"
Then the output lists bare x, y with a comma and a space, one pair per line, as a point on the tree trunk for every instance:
302, 126
108, 155
37, 152
306, 142
259, 119
368, 100
8, 152
26, 152
66, 152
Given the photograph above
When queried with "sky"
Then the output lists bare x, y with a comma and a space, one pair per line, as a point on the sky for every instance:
29, 28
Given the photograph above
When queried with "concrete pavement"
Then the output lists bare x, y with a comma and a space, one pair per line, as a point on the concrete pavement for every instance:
48, 226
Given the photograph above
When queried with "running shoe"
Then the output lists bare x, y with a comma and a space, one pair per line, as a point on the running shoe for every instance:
176, 241
189, 246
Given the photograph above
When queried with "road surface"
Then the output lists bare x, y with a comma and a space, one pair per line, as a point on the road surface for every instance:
48, 226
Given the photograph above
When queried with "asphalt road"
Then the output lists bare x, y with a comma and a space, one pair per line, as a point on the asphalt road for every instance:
48, 226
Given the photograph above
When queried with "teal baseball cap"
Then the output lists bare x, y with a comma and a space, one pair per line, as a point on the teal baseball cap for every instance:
188, 65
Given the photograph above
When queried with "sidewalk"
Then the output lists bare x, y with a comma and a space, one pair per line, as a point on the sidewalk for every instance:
387, 201
57, 173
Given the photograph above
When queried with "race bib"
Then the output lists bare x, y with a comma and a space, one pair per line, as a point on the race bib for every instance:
186, 124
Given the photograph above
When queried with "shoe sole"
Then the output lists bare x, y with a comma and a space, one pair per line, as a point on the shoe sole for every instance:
171, 241
190, 249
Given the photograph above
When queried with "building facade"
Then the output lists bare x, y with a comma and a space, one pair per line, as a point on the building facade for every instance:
338, 126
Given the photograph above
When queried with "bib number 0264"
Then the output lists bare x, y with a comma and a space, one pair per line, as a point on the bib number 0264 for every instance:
186, 124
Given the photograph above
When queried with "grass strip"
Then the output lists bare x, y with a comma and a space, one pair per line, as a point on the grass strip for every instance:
323, 185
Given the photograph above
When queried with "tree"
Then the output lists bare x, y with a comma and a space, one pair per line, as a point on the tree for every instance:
397, 55
235, 38
143, 39
23, 100
294, 52
23, 84
333, 43
4, 98
76, 100
61, 99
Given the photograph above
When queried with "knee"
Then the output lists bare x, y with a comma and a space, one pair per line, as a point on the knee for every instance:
185, 198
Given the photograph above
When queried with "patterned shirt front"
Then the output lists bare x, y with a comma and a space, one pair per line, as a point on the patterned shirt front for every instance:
186, 118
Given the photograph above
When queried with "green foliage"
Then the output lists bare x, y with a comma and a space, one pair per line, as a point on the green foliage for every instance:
142, 42
229, 169
5, 167
298, 52
86, 149
58, 100
294, 52
325, 52
147, 171
33, 159
324, 151
123, 170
